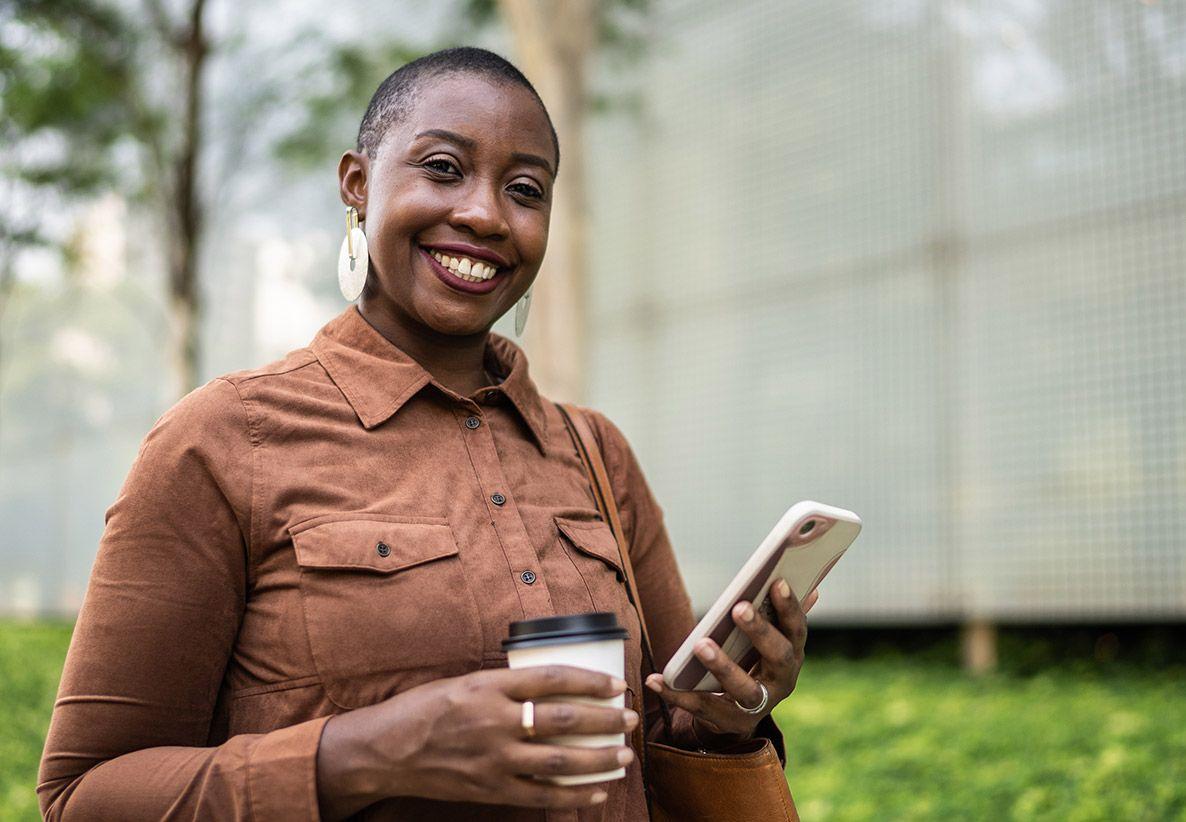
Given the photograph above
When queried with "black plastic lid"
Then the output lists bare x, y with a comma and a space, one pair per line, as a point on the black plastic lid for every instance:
558, 630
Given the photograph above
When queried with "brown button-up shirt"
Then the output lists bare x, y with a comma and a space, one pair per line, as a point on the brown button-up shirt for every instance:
321, 534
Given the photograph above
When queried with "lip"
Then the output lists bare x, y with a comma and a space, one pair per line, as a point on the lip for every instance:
471, 251
458, 284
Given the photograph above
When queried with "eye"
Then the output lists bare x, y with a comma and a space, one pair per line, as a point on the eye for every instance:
527, 190
441, 165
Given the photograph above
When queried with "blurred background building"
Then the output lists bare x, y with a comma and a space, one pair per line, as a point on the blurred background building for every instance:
924, 260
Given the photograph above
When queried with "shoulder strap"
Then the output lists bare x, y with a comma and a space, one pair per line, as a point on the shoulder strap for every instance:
590, 451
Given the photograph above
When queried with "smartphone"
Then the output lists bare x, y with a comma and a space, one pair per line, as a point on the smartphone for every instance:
802, 547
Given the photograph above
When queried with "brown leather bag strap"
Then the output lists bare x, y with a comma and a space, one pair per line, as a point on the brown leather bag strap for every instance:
590, 453
589, 450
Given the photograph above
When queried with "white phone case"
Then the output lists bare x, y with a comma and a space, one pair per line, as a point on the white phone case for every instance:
802, 547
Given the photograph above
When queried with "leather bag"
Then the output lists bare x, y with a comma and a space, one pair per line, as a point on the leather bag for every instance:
744, 782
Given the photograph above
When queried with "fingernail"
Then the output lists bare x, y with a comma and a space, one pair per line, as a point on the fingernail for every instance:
630, 718
619, 685
599, 797
745, 611
654, 685
707, 653
625, 756
784, 589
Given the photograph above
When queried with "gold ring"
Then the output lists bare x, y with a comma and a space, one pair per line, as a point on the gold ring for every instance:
528, 719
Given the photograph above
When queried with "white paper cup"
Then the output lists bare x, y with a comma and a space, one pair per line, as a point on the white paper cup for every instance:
594, 641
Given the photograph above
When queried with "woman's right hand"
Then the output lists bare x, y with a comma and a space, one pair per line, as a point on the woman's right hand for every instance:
460, 739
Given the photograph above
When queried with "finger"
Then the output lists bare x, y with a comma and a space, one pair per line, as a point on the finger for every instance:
790, 615
771, 643
737, 683
556, 760
706, 705
527, 792
812, 598
549, 680
565, 718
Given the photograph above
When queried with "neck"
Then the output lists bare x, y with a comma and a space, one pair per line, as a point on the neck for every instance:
456, 362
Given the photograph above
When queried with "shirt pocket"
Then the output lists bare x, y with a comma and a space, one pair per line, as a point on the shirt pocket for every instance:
592, 548
386, 604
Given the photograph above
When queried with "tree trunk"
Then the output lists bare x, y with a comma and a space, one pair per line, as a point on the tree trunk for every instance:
553, 41
185, 209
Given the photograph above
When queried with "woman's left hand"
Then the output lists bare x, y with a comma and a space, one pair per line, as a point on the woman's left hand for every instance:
781, 647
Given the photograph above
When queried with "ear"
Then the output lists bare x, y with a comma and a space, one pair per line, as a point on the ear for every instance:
353, 170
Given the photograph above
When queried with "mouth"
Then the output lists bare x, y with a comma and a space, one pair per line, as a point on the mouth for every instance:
465, 272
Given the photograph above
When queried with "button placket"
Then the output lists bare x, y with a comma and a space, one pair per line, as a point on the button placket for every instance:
507, 523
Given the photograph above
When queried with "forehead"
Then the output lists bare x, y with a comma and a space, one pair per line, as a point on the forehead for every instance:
500, 116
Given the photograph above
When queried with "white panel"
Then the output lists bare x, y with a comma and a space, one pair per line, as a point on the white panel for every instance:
924, 260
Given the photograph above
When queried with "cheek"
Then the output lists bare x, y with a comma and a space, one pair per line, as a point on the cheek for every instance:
398, 219
531, 232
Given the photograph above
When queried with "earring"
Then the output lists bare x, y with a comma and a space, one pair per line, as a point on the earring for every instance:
521, 309
352, 259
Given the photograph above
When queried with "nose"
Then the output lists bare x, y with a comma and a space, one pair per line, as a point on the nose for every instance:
480, 211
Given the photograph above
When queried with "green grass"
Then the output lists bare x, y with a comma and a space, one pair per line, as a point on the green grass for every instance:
886, 739
31, 656
895, 739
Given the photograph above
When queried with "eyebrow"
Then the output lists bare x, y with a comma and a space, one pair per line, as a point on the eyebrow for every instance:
470, 144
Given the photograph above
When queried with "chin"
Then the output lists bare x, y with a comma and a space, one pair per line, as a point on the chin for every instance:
461, 324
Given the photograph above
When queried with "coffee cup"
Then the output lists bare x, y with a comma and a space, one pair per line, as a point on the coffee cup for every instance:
594, 641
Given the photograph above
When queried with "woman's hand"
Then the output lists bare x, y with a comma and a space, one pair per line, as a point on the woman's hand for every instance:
781, 647
461, 739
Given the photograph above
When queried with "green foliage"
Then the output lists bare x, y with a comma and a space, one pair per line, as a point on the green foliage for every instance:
67, 102
898, 739
882, 738
31, 656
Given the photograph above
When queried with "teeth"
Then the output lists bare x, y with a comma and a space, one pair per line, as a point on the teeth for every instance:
465, 268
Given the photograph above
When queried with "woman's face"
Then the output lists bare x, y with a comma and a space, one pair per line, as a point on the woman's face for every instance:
463, 182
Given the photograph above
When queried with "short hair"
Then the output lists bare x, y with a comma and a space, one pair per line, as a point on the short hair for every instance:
396, 95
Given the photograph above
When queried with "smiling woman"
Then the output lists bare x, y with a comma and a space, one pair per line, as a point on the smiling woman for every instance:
454, 171
300, 595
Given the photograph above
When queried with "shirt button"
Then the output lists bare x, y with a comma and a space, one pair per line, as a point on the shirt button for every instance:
383, 548
527, 576
472, 422
497, 499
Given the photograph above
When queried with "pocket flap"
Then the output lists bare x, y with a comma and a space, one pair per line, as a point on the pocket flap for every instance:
592, 537
372, 543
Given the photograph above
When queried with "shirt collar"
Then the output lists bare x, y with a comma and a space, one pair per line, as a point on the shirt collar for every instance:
377, 378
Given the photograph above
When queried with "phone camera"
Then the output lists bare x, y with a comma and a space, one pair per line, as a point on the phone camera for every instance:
807, 527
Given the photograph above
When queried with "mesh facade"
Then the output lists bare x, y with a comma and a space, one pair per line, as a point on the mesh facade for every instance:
923, 260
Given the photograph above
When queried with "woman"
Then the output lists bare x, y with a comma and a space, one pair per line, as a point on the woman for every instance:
299, 598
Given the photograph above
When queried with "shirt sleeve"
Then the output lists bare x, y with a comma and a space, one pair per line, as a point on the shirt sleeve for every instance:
661, 590
130, 731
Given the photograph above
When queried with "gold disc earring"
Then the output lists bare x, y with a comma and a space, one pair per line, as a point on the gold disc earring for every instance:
352, 259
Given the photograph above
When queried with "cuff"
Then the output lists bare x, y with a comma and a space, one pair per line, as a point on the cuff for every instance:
681, 735
769, 729
282, 772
